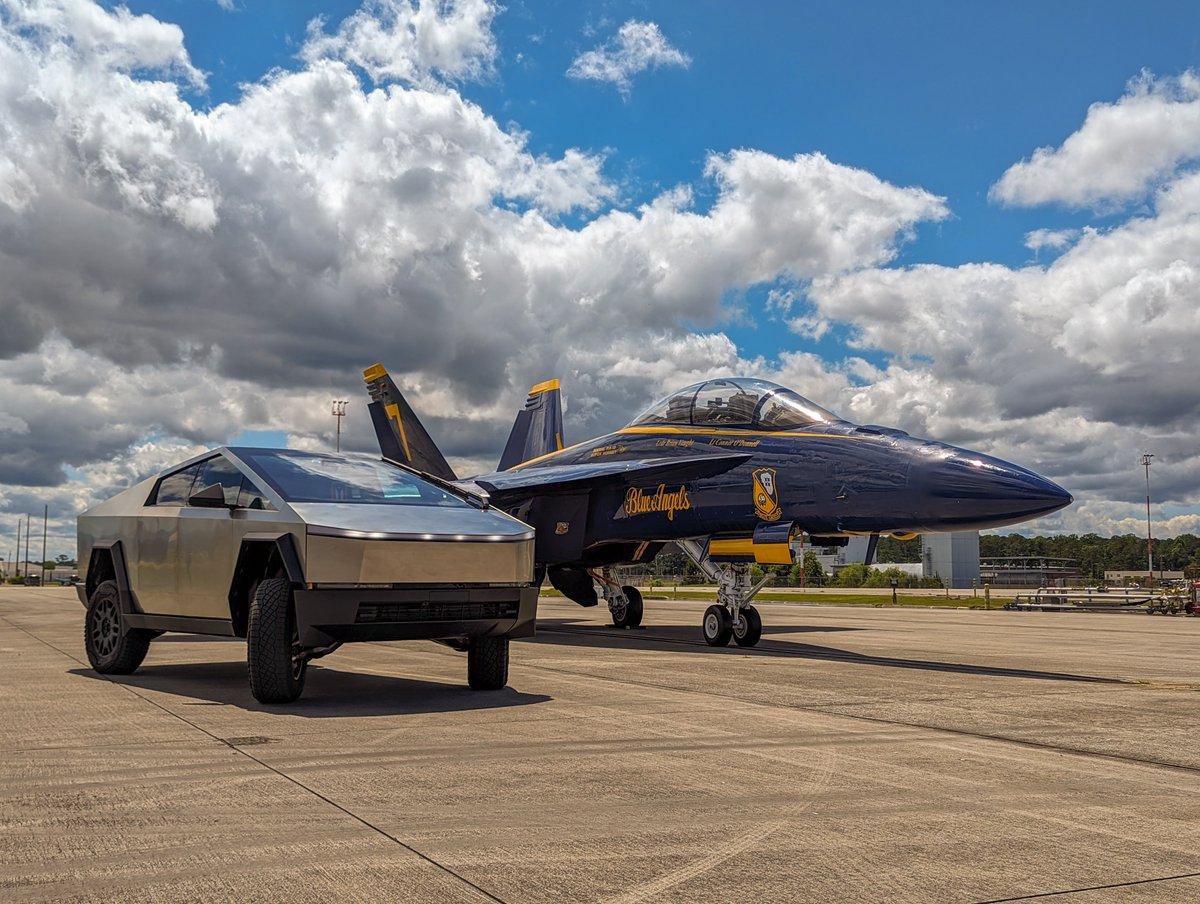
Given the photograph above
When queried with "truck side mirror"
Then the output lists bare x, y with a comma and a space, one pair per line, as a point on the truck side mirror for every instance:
212, 496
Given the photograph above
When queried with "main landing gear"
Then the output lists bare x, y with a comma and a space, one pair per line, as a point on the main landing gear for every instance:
624, 601
732, 616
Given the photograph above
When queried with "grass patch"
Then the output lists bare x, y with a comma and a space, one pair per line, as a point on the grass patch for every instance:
819, 599
826, 599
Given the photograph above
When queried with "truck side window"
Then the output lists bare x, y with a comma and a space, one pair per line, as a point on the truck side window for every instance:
221, 471
174, 489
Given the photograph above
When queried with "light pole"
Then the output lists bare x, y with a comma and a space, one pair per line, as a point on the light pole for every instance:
1146, 456
339, 412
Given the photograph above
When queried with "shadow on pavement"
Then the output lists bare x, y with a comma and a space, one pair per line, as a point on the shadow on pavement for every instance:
569, 632
328, 693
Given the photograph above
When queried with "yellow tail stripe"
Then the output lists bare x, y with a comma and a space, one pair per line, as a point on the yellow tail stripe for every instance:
393, 412
374, 372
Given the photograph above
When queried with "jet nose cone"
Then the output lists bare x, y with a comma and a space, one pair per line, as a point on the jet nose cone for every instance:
967, 490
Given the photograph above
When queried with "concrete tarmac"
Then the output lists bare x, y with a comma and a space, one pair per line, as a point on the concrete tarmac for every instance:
857, 754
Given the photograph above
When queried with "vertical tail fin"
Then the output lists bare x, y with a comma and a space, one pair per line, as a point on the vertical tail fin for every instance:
401, 436
538, 428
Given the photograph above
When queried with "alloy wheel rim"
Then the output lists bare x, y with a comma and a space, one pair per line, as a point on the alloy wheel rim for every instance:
106, 627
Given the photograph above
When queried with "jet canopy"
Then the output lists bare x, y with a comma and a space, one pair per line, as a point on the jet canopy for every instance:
735, 402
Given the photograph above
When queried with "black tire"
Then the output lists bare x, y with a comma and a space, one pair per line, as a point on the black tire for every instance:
487, 663
717, 626
630, 615
748, 631
112, 648
272, 644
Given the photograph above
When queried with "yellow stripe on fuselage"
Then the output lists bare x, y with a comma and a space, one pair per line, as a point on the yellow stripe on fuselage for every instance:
743, 546
544, 457
690, 431
763, 553
720, 431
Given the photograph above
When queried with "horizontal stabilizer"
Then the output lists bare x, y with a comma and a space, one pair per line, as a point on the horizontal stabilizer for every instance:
538, 429
507, 486
402, 437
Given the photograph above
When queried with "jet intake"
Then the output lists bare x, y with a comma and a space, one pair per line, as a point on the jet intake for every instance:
771, 544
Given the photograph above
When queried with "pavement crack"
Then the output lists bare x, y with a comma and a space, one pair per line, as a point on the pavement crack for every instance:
1079, 891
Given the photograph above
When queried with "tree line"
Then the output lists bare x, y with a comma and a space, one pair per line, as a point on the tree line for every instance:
1092, 553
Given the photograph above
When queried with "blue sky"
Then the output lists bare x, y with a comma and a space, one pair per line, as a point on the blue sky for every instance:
942, 95
979, 222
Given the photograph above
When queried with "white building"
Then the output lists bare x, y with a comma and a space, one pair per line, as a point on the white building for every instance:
954, 557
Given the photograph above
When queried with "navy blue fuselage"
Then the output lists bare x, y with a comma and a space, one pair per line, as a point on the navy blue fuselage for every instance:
801, 464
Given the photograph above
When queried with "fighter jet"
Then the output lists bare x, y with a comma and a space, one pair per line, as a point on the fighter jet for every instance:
731, 470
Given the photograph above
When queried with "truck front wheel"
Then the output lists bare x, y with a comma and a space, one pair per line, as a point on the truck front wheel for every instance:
273, 658
487, 663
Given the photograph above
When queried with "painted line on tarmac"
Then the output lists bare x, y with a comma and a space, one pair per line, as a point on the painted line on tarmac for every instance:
1077, 891
487, 895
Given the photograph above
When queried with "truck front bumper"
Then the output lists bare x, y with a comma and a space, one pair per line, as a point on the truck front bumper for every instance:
326, 615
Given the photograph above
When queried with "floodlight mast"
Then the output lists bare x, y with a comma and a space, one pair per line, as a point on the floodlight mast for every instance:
339, 412
1146, 456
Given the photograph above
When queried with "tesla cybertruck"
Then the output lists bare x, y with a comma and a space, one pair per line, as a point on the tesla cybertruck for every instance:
731, 470
300, 552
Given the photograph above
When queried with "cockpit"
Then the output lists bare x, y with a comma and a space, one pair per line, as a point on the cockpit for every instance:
735, 402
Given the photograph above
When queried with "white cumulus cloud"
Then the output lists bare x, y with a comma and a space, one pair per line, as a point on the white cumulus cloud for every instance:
176, 275
637, 46
1121, 151
397, 40
173, 276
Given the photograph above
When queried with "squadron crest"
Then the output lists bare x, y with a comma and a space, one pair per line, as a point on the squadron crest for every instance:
766, 495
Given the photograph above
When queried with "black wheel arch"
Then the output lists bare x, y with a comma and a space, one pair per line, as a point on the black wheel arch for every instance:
262, 555
106, 562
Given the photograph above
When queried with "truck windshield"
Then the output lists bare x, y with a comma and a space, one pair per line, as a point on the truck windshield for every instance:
316, 477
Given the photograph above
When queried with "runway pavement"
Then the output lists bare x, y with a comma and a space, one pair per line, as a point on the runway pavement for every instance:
858, 754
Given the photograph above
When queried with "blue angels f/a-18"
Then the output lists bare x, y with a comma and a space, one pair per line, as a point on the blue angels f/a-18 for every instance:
731, 470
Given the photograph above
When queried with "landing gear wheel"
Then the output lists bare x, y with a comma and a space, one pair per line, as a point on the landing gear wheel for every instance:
629, 615
273, 656
718, 626
487, 663
748, 630
112, 649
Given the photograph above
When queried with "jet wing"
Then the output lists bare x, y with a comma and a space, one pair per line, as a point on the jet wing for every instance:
506, 487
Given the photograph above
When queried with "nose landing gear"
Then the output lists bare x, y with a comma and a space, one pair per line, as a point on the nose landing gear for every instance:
733, 617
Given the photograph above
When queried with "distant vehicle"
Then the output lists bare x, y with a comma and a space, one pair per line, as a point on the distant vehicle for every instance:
33, 580
300, 552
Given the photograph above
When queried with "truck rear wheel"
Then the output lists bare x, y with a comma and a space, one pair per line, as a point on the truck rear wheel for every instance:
487, 663
273, 659
112, 648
